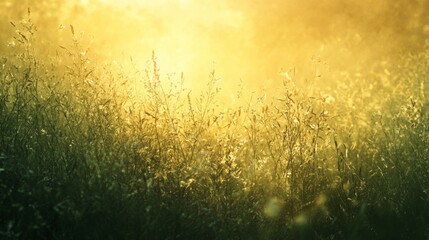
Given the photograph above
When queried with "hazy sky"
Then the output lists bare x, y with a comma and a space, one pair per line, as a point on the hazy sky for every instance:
249, 41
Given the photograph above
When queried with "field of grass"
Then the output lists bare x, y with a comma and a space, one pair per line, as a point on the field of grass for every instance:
89, 151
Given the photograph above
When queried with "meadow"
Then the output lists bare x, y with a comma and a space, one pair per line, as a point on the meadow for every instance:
94, 151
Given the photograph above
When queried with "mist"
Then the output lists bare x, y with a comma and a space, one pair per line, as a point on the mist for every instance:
253, 44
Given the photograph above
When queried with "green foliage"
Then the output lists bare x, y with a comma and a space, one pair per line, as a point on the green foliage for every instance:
88, 152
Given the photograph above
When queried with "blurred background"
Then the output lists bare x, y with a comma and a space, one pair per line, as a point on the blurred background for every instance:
255, 43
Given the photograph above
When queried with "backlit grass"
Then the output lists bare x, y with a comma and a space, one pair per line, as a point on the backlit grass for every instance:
91, 151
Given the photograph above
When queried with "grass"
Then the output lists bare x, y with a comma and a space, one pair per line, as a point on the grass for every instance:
90, 152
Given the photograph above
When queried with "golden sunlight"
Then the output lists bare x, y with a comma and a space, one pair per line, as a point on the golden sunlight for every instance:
255, 44
214, 119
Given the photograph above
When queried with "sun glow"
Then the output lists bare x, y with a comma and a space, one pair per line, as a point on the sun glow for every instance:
97, 130
250, 43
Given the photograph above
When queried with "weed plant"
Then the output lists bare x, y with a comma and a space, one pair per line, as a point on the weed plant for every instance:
88, 151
